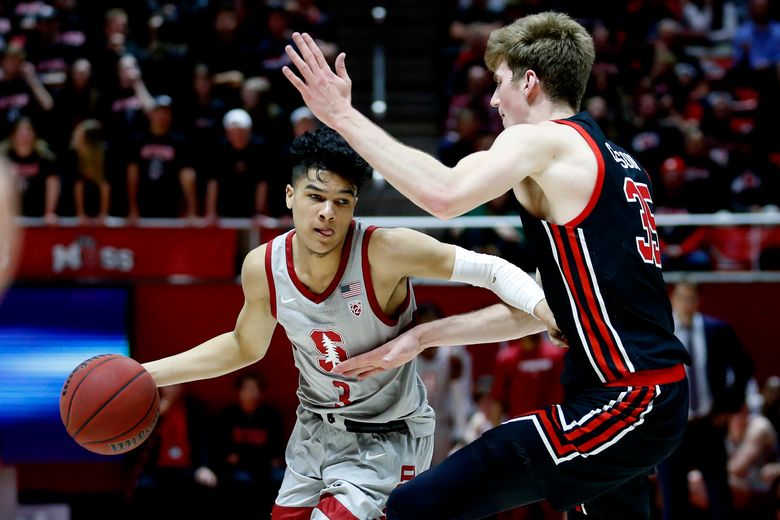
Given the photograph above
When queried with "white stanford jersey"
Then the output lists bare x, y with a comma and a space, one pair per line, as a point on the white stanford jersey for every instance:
342, 322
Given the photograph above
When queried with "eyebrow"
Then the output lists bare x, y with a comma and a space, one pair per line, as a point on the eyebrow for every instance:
317, 188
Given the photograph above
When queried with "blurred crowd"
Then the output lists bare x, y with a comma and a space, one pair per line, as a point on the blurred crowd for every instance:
150, 109
689, 87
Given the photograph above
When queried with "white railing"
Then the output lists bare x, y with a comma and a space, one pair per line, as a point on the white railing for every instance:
769, 218
253, 226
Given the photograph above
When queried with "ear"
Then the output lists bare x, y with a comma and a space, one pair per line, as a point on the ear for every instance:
531, 83
289, 192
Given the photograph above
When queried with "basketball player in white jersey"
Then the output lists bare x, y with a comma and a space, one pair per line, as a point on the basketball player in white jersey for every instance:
339, 289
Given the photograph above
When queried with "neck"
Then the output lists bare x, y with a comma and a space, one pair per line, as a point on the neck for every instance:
546, 110
316, 270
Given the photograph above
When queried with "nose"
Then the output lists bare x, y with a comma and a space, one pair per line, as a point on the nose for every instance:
494, 99
327, 211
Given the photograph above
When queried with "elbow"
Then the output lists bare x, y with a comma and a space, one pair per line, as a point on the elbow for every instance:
440, 204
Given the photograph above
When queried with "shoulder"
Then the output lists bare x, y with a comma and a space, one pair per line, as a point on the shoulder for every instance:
253, 272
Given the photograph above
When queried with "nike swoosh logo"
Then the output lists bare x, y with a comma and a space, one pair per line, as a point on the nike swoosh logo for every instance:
370, 456
288, 300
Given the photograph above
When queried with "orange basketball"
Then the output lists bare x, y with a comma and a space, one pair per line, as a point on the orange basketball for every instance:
109, 404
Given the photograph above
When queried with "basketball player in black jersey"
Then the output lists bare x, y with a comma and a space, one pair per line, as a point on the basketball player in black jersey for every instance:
588, 212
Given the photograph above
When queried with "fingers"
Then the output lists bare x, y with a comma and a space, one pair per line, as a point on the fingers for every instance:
295, 80
341, 67
299, 63
315, 51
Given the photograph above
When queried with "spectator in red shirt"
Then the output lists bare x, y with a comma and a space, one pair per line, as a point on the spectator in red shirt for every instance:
251, 450
527, 375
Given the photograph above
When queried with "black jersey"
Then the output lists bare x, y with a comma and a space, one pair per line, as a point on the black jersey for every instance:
602, 273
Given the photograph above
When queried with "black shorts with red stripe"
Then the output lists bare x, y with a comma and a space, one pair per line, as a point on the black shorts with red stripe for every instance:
591, 455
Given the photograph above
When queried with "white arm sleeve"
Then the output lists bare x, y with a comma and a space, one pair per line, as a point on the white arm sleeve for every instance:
510, 283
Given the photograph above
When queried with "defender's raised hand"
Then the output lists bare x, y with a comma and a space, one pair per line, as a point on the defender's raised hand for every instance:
327, 94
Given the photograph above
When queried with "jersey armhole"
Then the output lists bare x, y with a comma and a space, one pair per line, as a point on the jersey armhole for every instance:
269, 274
371, 295
594, 196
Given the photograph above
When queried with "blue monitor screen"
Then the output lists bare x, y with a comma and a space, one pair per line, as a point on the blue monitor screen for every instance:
44, 334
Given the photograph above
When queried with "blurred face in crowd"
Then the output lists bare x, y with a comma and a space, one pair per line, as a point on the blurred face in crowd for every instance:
23, 137
160, 119
80, 73
201, 82
238, 137
12, 63
128, 70
250, 395
322, 204
685, 302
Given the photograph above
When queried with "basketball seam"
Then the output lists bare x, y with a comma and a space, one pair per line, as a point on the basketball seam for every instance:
151, 407
76, 389
94, 414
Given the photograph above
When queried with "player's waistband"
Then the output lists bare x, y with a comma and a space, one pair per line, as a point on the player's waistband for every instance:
363, 427
656, 376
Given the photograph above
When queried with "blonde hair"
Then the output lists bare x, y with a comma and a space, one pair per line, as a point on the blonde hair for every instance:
557, 48
90, 150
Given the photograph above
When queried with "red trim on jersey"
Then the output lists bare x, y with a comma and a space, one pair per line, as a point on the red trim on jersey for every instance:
333, 509
269, 274
319, 298
590, 290
291, 513
656, 376
594, 197
373, 302
593, 342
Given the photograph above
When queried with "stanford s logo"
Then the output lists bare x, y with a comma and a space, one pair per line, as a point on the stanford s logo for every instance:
329, 344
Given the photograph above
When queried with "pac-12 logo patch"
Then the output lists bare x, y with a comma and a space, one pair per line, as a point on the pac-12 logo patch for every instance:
356, 307
329, 343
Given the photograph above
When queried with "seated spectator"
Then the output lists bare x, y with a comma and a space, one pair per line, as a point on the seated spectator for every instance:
251, 451
712, 21
160, 176
172, 470
75, 102
269, 120
36, 175
751, 443
527, 375
21, 92
239, 172
123, 105
302, 121
87, 166
757, 43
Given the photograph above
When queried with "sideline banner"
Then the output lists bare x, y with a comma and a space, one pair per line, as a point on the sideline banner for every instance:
125, 253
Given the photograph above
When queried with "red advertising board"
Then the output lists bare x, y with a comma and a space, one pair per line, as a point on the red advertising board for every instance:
123, 253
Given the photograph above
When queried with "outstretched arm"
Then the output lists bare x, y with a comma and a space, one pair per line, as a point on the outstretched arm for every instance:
495, 323
246, 344
404, 253
518, 152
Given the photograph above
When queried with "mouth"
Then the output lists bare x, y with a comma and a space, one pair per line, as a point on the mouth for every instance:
325, 232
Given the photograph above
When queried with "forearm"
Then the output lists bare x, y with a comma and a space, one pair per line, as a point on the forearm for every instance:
42, 95
52, 194
217, 356
417, 175
498, 322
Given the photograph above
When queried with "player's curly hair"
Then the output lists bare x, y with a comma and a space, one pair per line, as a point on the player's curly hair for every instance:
325, 149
